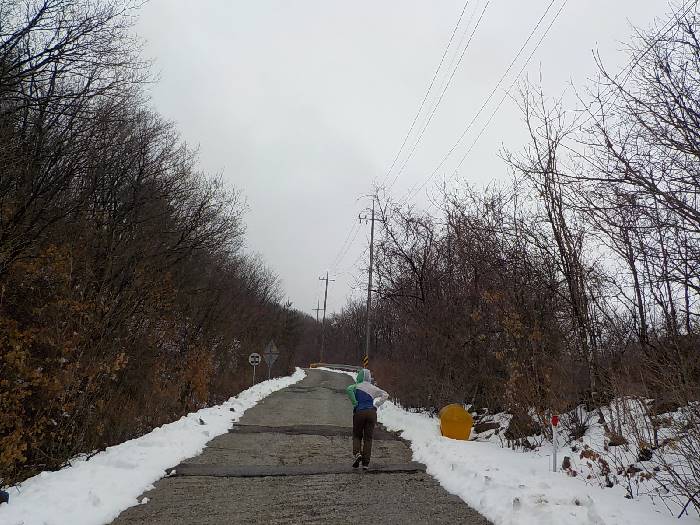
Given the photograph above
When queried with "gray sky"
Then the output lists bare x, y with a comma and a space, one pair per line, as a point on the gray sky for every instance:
302, 104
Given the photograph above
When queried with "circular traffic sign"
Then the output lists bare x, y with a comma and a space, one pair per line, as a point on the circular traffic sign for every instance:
254, 359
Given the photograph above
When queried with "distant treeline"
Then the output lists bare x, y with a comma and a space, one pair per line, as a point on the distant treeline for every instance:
577, 282
125, 298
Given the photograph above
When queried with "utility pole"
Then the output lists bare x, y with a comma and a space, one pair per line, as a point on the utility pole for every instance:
317, 309
365, 360
323, 326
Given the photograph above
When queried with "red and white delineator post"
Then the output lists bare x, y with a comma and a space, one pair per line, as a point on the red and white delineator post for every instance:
555, 425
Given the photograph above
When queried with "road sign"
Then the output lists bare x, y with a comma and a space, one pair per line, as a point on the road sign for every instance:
271, 354
254, 359
365, 361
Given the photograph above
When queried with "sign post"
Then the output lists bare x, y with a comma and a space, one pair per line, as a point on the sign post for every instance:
254, 360
271, 354
555, 424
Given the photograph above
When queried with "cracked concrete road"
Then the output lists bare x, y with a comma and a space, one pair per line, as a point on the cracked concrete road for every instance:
300, 473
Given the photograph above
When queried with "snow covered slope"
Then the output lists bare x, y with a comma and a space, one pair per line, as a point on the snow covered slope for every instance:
517, 488
512, 487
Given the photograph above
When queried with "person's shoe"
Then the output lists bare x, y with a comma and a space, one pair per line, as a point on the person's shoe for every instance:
358, 459
365, 467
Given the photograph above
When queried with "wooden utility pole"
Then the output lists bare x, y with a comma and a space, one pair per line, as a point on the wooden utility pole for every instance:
317, 309
323, 326
365, 360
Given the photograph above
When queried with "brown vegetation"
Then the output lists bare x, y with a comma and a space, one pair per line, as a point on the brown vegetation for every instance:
125, 299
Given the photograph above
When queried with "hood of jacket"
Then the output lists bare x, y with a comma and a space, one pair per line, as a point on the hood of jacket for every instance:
364, 376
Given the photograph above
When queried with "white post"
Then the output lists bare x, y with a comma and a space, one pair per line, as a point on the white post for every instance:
253, 375
554, 446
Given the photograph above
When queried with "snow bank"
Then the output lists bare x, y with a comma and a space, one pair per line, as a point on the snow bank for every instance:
510, 487
649, 456
514, 487
96, 491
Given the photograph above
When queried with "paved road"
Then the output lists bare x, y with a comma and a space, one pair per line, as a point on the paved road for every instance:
300, 473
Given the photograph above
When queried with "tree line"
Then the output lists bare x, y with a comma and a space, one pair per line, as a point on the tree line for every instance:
126, 299
575, 283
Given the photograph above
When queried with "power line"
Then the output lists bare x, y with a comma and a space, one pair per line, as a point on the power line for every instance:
340, 254
349, 245
507, 92
626, 71
442, 94
427, 93
357, 260
412, 190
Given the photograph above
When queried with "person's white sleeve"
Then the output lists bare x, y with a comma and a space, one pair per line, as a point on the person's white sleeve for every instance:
380, 396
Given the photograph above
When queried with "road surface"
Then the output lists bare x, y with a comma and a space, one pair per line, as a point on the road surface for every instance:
287, 461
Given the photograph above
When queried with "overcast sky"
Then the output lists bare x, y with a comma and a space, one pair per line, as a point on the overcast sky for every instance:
303, 104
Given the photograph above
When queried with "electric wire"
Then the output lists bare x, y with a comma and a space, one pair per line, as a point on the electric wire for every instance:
626, 71
341, 252
349, 245
507, 91
354, 263
345, 247
427, 94
442, 94
410, 194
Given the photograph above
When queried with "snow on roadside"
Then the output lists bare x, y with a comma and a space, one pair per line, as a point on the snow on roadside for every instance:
510, 487
96, 491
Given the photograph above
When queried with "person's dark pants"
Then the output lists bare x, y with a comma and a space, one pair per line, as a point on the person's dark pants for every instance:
363, 423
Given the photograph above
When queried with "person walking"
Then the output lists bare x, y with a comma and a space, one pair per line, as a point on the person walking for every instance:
365, 398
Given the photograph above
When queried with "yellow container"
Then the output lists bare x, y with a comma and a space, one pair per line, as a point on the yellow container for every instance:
455, 422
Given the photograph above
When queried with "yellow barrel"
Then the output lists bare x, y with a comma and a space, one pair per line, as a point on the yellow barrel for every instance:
455, 422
